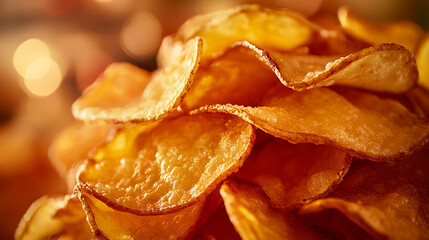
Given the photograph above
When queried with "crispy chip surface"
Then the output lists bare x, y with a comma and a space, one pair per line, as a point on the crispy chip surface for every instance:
128, 94
176, 163
362, 124
108, 223
252, 216
294, 174
387, 200
50, 217
405, 33
286, 30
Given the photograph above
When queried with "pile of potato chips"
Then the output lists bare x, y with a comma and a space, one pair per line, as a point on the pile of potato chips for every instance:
258, 124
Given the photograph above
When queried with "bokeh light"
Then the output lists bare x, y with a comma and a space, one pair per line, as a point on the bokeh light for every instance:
28, 52
42, 83
141, 35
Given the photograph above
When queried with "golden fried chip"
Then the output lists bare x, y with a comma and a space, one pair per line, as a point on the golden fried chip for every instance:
54, 217
176, 163
108, 223
361, 124
73, 145
422, 58
286, 29
388, 200
385, 67
252, 216
125, 93
236, 77
405, 33
292, 175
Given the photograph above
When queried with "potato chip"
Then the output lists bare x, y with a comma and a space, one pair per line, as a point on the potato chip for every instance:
405, 33
236, 77
385, 67
385, 199
252, 216
292, 175
50, 217
422, 58
361, 124
125, 93
108, 223
73, 145
287, 30
175, 164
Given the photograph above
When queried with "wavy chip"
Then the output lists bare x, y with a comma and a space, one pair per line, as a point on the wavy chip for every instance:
359, 123
287, 30
125, 93
73, 145
109, 223
54, 217
386, 67
175, 164
252, 216
292, 175
387, 200
405, 33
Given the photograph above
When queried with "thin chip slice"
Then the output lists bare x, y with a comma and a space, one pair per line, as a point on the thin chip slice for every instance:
286, 30
359, 123
175, 164
73, 145
422, 58
236, 77
405, 33
108, 223
388, 200
252, 216
125, 93
292, 175
386, 67
50, 217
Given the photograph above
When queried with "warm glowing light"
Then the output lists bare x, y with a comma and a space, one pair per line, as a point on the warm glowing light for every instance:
28, 52
42, 83
141, 35
103, 1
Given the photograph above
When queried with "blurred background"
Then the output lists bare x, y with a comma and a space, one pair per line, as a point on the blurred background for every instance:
52, 49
